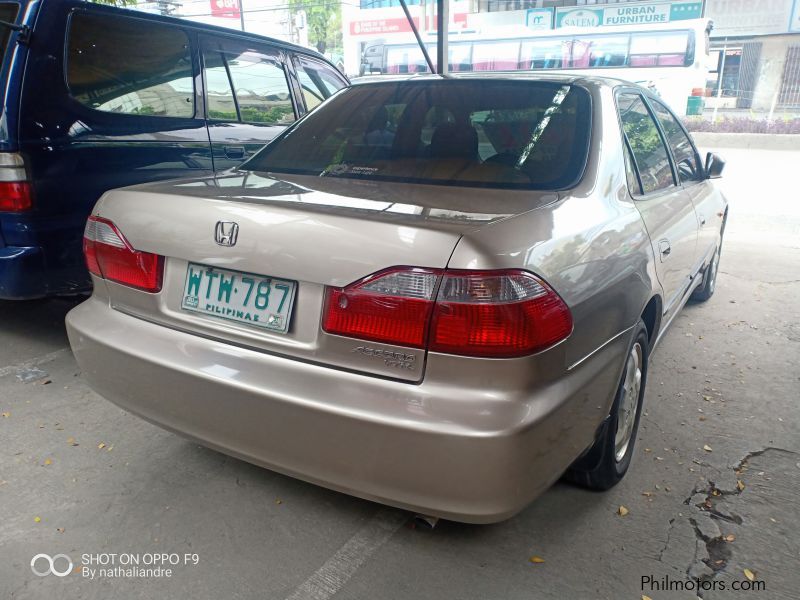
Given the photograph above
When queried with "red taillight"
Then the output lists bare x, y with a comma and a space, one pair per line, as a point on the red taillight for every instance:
497, 314
392, 306
475, 313
15, 196
110, 256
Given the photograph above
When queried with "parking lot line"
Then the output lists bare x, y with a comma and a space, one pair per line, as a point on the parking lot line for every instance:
339, 568
33, 362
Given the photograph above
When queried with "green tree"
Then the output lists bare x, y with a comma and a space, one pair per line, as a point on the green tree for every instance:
324, 22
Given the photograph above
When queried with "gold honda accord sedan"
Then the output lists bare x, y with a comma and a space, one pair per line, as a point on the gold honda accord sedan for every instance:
440, 294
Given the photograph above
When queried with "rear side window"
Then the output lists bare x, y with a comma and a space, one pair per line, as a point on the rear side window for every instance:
517, 134
248, 87
130, 66
686, 159
317, 80
8, 13
649, 152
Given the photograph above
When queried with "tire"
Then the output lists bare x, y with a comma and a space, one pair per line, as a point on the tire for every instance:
607, 460
709, 284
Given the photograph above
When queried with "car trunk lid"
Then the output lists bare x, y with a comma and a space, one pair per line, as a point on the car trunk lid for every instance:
310, 231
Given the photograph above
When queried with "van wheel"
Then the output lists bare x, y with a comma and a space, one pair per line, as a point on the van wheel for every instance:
606, 462
709, 284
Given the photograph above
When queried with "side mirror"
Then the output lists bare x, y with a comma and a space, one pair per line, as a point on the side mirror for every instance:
714, 165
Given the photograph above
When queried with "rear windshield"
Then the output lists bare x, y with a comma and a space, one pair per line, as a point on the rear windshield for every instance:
487, 133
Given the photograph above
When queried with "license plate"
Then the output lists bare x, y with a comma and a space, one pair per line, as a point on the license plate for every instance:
256, 300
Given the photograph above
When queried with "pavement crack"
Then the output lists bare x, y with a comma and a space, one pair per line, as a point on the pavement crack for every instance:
660, 556
743, 463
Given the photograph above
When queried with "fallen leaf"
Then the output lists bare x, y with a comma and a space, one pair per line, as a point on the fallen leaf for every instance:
622, 511
730, 537
110, 448
37, 519
749, 574
278, 501
6, 415
707, 448
537, 560
60, 529
101, 445
648, 494
740, 485
646, 597
47, 462
701, 418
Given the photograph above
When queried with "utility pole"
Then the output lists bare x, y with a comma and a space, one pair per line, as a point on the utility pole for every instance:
241, 13
442, 22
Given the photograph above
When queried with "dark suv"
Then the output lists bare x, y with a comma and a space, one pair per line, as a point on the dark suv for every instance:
96, 97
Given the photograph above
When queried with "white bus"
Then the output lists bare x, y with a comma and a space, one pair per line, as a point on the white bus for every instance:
671, 58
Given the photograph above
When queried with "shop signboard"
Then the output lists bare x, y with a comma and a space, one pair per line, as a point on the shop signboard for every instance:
628, 14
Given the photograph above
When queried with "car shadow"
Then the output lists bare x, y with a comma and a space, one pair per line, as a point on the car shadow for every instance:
30, 328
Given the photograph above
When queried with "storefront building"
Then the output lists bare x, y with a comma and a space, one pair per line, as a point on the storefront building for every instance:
755, 44
756, 47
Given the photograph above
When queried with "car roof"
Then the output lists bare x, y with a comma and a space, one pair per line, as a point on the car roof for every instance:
551, 76
204, 27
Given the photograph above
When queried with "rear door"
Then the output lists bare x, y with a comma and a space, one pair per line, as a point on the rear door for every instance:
248, 97
666, 209
708, 203
102, 108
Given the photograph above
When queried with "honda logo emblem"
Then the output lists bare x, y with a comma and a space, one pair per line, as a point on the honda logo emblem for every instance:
226, 233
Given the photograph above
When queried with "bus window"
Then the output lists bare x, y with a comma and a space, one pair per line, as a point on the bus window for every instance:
495, 56
405, 59
460, 58
544, 54
608, 51
659, 49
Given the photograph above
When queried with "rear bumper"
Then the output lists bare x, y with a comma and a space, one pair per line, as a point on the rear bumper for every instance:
378, 439
26, 273
22, 273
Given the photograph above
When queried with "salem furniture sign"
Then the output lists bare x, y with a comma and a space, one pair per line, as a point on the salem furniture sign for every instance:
628, 14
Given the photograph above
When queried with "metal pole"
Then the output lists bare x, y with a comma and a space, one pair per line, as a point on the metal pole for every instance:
416, 35
442, 21
241, 13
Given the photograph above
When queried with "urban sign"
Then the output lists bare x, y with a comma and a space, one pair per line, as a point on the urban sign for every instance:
628, 14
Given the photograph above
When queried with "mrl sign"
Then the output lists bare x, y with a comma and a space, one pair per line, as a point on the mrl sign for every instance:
628, 14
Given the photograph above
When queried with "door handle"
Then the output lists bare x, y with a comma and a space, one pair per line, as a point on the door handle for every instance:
664, 248
234, 152
702, 220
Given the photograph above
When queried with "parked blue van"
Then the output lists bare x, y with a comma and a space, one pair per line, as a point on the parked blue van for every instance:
96, 97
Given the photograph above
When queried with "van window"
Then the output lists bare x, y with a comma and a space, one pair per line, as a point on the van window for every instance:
317, 80
130, 66
8, 13
249, 82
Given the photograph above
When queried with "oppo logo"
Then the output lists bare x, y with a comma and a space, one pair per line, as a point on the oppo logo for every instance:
50, 562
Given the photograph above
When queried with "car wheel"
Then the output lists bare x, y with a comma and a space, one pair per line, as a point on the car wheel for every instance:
709, 284
606, 462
